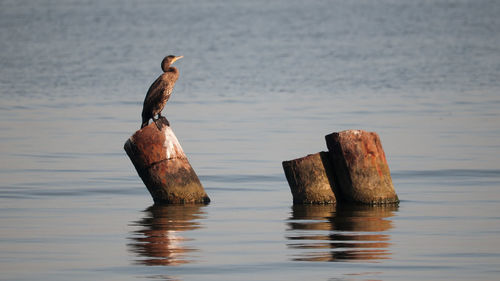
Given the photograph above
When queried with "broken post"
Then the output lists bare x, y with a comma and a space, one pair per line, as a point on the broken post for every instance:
360, 169
310, 179
163, 167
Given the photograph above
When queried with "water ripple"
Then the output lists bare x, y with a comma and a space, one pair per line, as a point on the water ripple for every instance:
340, 233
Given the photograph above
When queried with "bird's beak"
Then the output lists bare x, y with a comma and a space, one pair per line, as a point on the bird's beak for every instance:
176, 58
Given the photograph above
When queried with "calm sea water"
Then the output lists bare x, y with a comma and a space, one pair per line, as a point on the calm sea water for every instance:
261, 82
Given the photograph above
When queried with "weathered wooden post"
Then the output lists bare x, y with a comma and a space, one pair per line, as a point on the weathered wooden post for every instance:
163, 167
310, 179
360, 169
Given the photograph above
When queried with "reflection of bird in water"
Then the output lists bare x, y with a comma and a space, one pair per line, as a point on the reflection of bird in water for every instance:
159, 92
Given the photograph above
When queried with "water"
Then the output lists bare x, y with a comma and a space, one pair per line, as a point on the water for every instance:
261, 82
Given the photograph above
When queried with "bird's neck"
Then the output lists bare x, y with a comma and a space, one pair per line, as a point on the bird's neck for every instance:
171, 69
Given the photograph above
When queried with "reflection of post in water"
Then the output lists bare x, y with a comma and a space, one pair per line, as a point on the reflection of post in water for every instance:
340, 233
159, 239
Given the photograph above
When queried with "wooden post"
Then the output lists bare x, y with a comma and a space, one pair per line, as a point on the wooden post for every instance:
360, 170
310, 179
163, 167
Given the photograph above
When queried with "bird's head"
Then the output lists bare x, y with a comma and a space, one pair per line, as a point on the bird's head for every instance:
168, 60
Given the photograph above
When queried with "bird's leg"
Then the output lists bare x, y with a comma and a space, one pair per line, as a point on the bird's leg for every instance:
158, 123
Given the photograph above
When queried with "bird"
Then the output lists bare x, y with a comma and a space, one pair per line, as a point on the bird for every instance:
159, 92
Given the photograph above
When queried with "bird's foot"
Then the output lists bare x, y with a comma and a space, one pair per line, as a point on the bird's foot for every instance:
160, 122
164, 121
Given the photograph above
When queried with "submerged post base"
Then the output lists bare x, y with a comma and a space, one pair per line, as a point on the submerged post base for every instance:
163, 167
310, 179
360, 168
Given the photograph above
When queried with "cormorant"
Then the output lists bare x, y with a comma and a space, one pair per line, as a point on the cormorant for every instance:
159, 92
